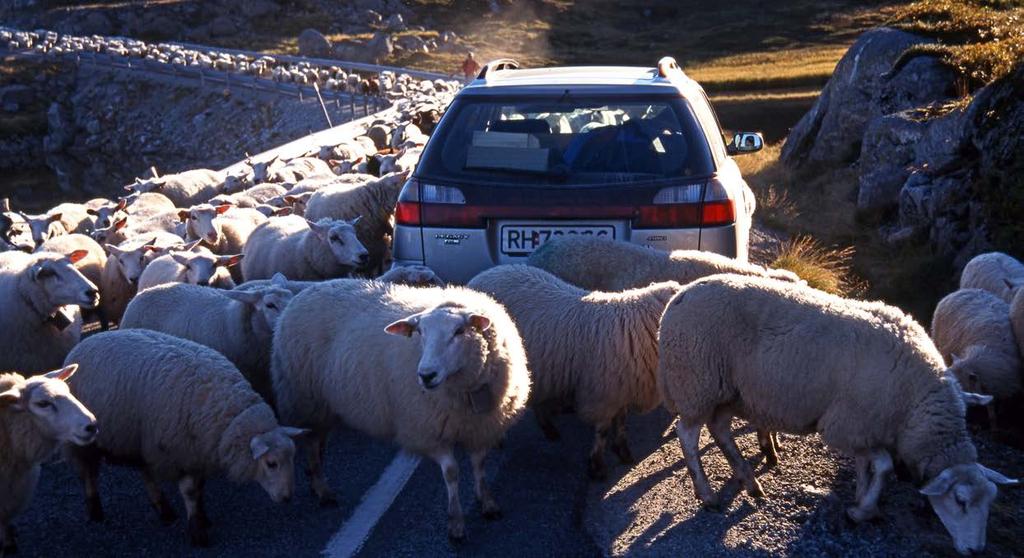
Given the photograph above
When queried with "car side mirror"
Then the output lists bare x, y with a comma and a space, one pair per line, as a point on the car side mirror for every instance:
745, 142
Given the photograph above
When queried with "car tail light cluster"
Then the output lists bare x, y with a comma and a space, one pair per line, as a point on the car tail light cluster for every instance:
421, 204
704, 204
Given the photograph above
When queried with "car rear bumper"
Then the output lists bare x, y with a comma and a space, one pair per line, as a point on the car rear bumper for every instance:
457, 255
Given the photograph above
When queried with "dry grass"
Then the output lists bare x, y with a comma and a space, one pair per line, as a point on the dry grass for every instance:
982, 40
798, 67
826, 269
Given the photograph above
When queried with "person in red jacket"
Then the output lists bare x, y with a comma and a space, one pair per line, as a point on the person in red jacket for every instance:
470, 67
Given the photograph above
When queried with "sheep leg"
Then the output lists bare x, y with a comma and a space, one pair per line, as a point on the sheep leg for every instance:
992, 424
867, 506
689, 441
863, 466
620, 445
596, 468
768, 442
87, 461
157, 498
721, 430
450, 471
488, 507
190, 492
316, 447
544, 412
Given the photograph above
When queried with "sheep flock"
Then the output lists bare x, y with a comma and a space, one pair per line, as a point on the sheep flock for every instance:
249, 305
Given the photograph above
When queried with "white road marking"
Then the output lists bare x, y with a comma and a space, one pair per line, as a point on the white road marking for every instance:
350, 538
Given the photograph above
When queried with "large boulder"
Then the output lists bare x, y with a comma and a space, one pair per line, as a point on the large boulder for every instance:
886, 157
313, 43
863, 87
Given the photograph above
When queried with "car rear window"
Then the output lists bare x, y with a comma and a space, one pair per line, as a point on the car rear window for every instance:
568, 140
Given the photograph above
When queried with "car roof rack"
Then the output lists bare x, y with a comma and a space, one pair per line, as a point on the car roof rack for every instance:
499, 64
668, 64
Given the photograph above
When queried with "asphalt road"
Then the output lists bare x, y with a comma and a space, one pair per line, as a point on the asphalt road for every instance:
550, 509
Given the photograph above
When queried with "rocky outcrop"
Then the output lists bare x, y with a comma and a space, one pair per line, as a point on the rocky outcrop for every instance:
863, 88
950, 177
313, 43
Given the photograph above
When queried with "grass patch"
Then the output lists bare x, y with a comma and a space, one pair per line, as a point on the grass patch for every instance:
826, 269
981, 39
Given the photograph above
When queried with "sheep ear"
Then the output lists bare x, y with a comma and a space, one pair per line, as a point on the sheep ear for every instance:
77, 255
54, 217
92, 211
120, 223
64, 373
228, 261
976, 398
480, 323
258, 447
293, 432
183, 215
279, 279
320, 230
179, 258
113, 250
222, 208
997, 477
11, 398
354, 221
121, 204
245, 297
403, 327
940, 484
282, 211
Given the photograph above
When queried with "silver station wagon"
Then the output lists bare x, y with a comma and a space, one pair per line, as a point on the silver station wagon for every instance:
523, 156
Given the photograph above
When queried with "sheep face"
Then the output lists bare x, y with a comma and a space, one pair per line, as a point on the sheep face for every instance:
131, 263
107, 214
274, 453
454, 347
143, 186
111, 233
268, 303
340, 237
969, 368
44, 227
236, 183
62, 284
961, 496
415, 275
201, 222
52, 407
201, 268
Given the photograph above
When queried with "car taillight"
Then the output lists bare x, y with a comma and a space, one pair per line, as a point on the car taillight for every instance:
432, 205
689, 205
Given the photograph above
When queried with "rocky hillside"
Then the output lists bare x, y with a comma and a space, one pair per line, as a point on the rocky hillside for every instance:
936, 153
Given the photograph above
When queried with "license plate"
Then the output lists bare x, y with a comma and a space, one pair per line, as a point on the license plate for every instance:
521, 240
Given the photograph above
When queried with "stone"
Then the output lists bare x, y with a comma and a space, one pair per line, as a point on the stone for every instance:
887, 153
223, 26
259, 8
95, 23
395, 22
380, 47
313, 43
831, 132
16, 95
60, 129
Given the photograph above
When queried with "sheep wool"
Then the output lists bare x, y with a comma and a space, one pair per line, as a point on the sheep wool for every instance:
610, 265
995, 272
333, 332
597, 350
972, 330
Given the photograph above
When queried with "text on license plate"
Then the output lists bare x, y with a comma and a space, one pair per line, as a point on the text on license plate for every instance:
521, 240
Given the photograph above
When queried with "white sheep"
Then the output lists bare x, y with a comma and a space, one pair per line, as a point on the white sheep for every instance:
302, 168
74, 217
42, 227
40, 295
795, 359
415, 275
183, 412
471, 382
91, 265
103, 210
224, 229
972, 331
196, 266
184, 189
995, 272
239, 324
251, 198
37, 415
596, 350
373, 202
1017, 319
609, 265
119, 280
303, 250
